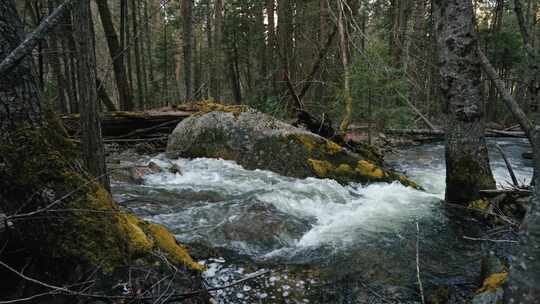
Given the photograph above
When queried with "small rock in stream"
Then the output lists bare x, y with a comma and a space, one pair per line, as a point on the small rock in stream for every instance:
175, 169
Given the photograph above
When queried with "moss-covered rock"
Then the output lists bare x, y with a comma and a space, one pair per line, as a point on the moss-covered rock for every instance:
259, 141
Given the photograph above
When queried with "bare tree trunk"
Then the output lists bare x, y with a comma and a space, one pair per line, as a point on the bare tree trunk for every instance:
56, 65
197, 73
117, 56
343, 46
285, 43
64, 32
165, 90
137, 54
91, 139
187, 14
148, 30
271, 43
467, 163
142, 40
127, 49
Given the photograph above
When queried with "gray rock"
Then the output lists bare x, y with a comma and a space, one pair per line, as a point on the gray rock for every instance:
175, 169
489, 297
259, 141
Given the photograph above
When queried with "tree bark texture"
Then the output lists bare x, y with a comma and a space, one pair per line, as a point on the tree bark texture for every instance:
187, 14
467, 163
91, 140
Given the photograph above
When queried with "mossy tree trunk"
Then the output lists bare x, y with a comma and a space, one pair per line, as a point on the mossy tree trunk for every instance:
467, 162
62, 219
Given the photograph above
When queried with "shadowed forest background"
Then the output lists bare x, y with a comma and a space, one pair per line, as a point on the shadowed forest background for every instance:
253, 52
269, 151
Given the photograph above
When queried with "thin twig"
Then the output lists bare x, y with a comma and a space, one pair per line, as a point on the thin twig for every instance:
420, 286
69, 292
508, 166
488, 240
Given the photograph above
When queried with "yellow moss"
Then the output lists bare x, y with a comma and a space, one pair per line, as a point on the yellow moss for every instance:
307, 141
208, 106
43, 160
344, 169
481, 204
366, 168
494, 281
320, 167
325, 146
407, 182
102, 199
332, 148
165, 241
138, 241
128, 114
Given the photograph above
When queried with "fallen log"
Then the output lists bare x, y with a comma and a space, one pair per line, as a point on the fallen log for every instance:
495, 192
125, 125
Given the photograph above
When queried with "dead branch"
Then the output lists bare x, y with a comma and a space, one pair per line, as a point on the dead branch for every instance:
420, 286
488, 240
508, 166
33, 39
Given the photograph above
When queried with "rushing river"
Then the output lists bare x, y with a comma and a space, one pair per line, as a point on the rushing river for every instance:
360, 235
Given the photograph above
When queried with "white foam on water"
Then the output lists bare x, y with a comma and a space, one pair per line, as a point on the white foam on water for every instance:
338, 212
339, 215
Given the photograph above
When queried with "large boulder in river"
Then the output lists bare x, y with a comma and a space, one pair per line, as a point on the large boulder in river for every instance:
259, 141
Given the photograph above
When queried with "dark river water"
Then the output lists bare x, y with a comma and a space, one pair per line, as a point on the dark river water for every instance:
314, 232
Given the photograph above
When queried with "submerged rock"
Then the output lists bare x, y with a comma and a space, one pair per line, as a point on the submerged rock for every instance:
262, 228
259, 141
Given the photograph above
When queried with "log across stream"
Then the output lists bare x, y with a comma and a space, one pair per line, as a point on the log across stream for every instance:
322, 241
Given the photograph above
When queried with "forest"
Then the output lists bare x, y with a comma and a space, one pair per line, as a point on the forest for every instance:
269, 151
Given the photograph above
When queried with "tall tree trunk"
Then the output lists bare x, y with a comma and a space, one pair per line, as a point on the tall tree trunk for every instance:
70, 45
197, 65
56, 65
142, 50
467, 163
187, 15
271, 43
91, 138
165, 90
117, 56
127, 47
137, 54
343, 46
285, 42
71, 94
234, 73
148, 31
39, 170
